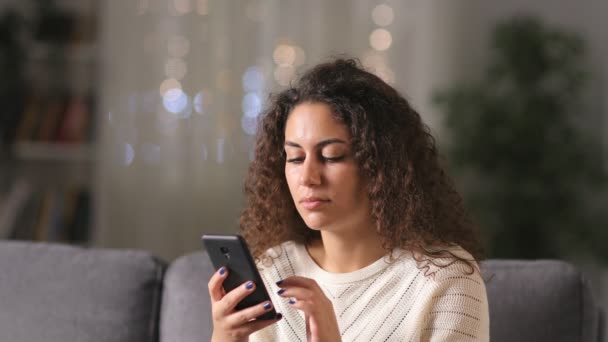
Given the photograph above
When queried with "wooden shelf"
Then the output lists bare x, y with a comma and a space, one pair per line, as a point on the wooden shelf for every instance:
57, 152
78, 53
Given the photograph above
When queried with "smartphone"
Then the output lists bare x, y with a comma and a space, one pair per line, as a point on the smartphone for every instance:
231, 251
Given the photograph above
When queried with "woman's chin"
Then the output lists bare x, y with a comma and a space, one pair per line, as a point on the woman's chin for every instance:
315, 224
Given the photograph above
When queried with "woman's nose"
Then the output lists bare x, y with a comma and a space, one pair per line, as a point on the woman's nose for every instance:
310, 173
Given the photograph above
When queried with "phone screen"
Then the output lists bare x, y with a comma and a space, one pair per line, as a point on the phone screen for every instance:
231, 251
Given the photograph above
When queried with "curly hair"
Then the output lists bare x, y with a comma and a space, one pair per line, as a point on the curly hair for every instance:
414, 204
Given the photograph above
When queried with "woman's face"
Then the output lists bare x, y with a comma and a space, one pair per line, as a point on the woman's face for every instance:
322, 175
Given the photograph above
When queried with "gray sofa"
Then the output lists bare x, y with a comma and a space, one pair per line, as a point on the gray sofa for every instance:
57, 293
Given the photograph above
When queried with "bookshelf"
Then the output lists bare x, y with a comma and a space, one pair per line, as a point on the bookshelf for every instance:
43, 151
47, 147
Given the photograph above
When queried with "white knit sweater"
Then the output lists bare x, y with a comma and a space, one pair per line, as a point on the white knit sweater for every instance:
384, 301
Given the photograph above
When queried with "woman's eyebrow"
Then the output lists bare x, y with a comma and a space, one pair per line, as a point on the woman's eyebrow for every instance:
321, 143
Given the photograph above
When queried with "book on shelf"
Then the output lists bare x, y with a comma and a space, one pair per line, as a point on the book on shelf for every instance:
73, 127
57, 119
44, 214
29, 119
57, 215
12, 204
27, 218
49, 125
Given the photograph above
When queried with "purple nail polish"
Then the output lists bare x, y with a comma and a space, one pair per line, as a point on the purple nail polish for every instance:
267, 306
292, 301
281, 291
279, 282
222, 270
249, 285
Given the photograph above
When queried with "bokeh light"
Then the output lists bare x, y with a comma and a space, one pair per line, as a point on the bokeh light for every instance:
382, 15
251, 105
249, 124
253, 79
178, 46
380, 39
170, 83
199, 102
175, 68
284, 55
128, 154
175, 100
202, 101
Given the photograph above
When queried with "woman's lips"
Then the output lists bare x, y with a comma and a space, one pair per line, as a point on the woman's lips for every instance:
313, 203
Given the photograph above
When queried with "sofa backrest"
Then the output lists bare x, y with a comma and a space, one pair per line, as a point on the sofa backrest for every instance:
186, 309
530, 301
56, 293
542, 300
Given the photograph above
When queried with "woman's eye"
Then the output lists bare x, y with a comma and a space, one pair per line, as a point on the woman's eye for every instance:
333, 159
296, 160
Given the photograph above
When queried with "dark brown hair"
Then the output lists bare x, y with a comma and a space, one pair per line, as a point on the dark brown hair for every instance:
413, 202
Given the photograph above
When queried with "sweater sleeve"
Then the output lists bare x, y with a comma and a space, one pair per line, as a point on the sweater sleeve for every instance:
459, 308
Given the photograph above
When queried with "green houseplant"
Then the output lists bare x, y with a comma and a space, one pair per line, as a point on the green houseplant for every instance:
531, 177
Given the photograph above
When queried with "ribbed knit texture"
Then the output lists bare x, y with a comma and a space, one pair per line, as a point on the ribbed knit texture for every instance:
384, 301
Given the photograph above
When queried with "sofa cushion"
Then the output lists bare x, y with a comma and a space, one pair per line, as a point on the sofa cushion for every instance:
544, 300
186, 313
533, 301
58, 293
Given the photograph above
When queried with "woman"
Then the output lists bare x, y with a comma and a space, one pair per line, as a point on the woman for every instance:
359, 233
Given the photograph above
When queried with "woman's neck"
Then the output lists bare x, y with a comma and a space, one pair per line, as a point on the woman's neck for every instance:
342, 254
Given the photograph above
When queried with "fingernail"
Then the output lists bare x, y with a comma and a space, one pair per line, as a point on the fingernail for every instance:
279, 282
249, 285
292, 301
222, 270
267, 305
279, 315
280, 292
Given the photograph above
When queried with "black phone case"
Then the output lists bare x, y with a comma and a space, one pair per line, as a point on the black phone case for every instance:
231, 251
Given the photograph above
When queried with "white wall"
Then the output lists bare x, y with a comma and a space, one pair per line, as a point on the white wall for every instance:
164, 205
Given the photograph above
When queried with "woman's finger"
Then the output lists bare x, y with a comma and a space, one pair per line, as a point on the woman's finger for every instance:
216, 291
232, 298
303, 305
298, 281
246, 315
253, 326
299, 293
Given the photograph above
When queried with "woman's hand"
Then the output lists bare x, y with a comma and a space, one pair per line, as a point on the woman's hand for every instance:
306, 295
230, 325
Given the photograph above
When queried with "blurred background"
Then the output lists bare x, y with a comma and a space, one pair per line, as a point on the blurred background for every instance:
130, 124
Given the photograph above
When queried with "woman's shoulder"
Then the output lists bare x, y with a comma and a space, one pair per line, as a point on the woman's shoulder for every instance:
448, 263
276, 253
278, 250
